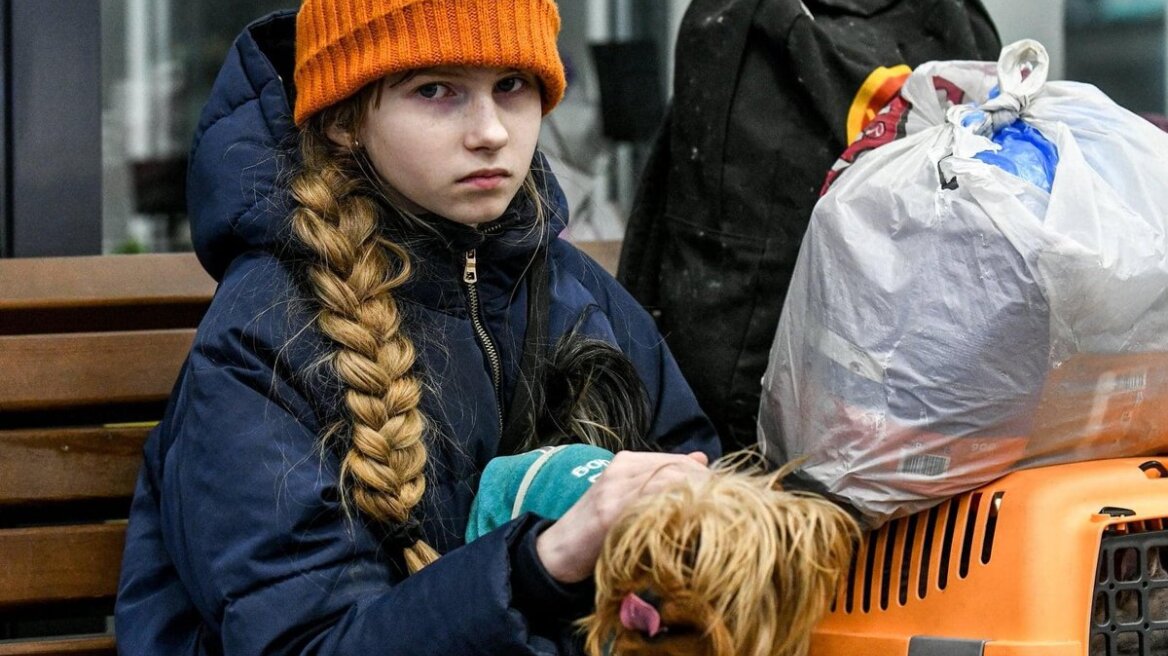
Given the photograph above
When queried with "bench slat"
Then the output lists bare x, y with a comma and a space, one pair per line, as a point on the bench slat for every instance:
83, 340
105, 280
88, 646
60, 563
42, 465
47, 372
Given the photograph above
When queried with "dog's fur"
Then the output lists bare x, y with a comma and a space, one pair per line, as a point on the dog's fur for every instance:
737, 566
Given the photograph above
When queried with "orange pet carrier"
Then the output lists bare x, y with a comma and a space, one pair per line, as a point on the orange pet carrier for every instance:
1067, 560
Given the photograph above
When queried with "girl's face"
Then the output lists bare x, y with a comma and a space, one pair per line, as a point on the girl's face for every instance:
455, 141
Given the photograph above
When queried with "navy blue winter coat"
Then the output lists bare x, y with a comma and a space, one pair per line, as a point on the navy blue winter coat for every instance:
236, 543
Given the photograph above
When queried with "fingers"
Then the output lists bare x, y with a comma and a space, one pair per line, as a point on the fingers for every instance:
634, 468
650, 460
635, 473
672, 473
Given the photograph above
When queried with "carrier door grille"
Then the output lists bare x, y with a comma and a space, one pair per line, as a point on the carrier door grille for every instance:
1129, 614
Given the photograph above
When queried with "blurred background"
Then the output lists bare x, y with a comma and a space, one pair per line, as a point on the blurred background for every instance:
100, 98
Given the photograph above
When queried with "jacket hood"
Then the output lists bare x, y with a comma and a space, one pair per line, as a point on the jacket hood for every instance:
245, 148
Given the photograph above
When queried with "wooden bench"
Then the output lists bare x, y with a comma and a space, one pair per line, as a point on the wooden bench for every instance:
89, 350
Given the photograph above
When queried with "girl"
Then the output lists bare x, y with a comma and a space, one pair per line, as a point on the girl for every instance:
365, 186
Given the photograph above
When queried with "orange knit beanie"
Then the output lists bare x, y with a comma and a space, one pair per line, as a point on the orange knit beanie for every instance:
343, 45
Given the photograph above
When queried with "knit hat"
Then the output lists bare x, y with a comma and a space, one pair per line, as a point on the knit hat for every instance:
343, 45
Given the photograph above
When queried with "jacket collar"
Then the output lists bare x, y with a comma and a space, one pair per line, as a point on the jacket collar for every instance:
503, 248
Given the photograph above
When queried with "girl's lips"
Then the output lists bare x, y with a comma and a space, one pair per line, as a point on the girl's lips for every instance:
485, 179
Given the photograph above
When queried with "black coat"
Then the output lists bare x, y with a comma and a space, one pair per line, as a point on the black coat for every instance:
762, 91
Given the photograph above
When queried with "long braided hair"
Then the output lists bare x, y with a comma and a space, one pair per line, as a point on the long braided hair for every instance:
352, 272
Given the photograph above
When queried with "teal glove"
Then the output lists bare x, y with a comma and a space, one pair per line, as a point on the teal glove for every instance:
546, 482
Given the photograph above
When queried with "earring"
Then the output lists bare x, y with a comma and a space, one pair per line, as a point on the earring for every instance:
356, 144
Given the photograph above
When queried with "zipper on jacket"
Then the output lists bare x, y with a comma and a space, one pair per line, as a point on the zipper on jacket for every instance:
470, 277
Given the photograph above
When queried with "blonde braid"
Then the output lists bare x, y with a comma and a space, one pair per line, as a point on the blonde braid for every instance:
353, 278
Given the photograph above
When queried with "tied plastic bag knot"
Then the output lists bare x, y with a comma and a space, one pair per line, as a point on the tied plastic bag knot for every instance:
987, 121
1023, 69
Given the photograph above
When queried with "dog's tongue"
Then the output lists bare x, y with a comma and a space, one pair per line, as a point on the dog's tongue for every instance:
639, 615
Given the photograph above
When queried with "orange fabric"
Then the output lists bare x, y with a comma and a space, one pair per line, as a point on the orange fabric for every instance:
343, 45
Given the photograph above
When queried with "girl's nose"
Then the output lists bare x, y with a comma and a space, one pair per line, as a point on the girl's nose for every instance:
486, 130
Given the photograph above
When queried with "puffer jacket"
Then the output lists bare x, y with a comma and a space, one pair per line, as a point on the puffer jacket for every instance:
237, 544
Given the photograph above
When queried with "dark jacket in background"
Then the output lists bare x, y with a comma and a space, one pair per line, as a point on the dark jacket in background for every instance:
762, 90
236, 543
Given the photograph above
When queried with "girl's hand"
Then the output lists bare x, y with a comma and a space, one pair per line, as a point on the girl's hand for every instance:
569, 548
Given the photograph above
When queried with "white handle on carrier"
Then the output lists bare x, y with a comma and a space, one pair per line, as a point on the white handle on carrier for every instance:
1022, 71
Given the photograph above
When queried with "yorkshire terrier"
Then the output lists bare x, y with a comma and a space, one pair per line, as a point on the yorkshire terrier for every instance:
733, 566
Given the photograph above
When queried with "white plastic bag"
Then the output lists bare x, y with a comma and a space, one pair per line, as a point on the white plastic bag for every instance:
949, 321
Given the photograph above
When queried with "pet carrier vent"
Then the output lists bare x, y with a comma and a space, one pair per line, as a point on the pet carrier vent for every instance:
901, 560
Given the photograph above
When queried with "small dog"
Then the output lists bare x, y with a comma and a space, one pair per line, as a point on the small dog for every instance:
734, 566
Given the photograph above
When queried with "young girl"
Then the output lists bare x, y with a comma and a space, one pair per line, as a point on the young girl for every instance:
365, 186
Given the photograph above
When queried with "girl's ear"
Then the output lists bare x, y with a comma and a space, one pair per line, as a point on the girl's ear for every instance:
343, 137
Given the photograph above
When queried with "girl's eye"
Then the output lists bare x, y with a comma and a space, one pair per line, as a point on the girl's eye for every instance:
433, 91
511, 84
